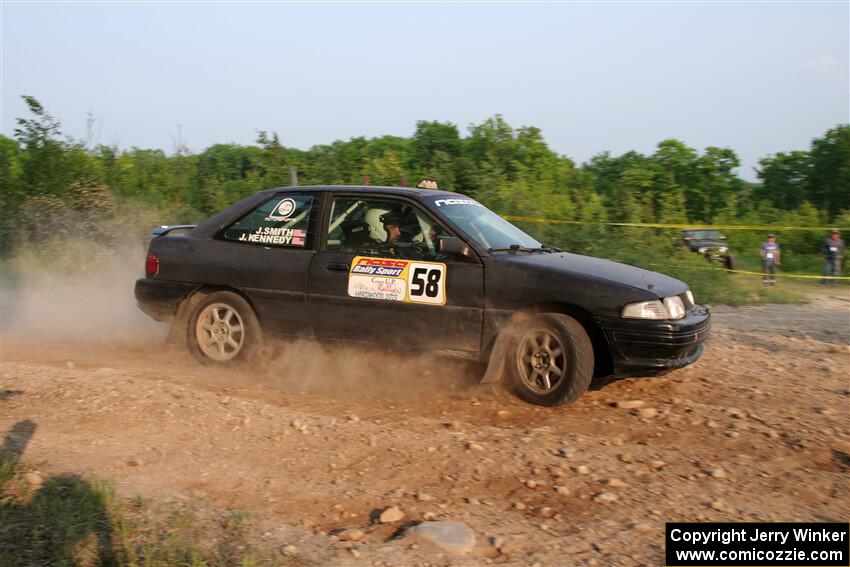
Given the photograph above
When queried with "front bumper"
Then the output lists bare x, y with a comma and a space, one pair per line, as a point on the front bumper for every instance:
160, 298
642, 347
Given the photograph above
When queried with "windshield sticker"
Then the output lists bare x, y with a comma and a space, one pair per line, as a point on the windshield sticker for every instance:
272, 235
442, 202
397, 280
282, 211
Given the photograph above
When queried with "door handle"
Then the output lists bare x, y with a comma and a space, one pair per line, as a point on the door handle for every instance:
337, 267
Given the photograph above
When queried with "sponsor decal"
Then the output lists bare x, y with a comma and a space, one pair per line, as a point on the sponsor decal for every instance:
397, 280
386, 289
283, 210
379, 267
273, 235
443, 202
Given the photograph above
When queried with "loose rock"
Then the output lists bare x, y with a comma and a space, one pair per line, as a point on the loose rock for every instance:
33, 479
647, 413
453, 537
719, 505
606, 497
350, 535
544, 512
630, 404
391, 514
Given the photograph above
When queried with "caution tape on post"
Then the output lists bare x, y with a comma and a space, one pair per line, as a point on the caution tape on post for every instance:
746, 272
518, 218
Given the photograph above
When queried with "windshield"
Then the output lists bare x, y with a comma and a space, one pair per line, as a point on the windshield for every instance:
703, 234
483, 225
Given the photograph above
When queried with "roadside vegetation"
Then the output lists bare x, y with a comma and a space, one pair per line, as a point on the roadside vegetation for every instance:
57, 190
68, 520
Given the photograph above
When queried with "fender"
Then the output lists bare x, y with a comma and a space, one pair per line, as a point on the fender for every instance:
496, 365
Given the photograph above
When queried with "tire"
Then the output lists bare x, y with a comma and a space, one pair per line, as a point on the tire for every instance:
223, 330
549, 360
729, 262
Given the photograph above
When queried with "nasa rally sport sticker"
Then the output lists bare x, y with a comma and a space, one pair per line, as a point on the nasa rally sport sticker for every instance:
397, 280
283, 210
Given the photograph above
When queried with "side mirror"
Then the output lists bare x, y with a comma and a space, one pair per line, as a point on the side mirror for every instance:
451, 245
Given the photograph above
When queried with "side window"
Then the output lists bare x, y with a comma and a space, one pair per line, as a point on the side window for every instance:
287, 220
382, 228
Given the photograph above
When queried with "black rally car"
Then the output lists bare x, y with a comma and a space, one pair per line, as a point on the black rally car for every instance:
415, 269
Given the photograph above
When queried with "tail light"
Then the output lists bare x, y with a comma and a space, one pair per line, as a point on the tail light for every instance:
151, 265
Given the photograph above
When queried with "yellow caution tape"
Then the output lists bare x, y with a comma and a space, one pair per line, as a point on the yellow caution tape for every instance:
800, 276
679, 226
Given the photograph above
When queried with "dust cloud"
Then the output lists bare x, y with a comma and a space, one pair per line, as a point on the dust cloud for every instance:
348, 372
75, 302
81, 292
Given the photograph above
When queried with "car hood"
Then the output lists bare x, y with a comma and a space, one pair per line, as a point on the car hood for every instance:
597, 268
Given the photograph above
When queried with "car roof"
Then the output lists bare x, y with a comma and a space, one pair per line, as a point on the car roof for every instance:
377, 189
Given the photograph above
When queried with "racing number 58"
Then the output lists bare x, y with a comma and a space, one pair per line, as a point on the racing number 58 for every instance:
427, 283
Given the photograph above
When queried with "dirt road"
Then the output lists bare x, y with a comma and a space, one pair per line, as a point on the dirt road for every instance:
318, 440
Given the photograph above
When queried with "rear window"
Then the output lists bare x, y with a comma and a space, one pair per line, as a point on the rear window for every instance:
285, 221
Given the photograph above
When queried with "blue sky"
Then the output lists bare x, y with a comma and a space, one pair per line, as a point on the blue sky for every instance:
756, 77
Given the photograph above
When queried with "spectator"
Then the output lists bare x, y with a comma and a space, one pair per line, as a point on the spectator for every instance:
770, 257
833, 253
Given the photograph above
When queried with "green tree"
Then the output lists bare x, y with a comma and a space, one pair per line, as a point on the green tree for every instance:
718, 181
785, 179
44, 161
830, 175
431, 139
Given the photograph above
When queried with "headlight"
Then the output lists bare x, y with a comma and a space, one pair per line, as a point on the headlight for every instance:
690, 297
645, 310
702, 250
675, 307
670, 308
723, 249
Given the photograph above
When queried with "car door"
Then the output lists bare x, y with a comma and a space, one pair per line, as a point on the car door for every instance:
266, 254
362, 287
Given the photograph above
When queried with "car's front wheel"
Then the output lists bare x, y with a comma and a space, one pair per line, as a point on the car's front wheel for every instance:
550, 359
224, 330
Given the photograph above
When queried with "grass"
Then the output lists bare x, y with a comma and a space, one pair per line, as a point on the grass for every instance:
663, 252
73, 521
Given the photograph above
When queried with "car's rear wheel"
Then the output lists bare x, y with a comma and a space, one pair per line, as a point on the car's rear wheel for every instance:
550, 360
224, 330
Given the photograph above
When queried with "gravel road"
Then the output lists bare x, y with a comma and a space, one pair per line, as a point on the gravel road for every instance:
322, 440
